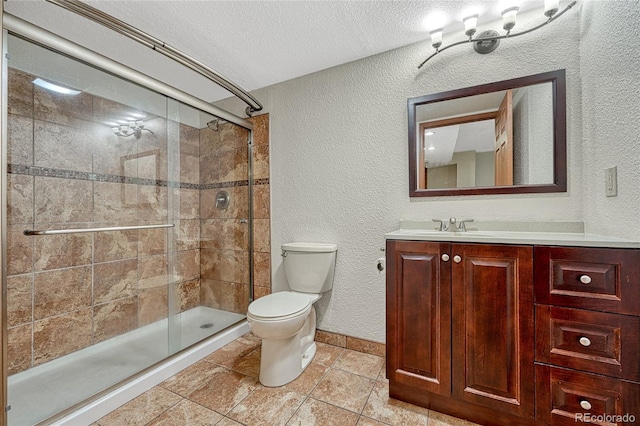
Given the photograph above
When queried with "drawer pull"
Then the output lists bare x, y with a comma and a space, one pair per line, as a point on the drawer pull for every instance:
585, 279
457, 259
445, 257
586, 405
584, 341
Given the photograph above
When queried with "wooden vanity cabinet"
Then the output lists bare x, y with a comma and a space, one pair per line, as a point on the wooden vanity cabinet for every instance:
462, 340
460, 329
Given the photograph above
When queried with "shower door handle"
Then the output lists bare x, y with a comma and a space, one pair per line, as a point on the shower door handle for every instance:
77, 231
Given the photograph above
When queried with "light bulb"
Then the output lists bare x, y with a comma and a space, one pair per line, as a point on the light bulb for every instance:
470, 25
509, 18
436, 38
551, 7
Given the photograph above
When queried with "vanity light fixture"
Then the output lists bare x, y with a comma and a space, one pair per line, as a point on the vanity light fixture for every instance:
488, 41
436, 38
509, 18
130, 128
54, 87
470, 24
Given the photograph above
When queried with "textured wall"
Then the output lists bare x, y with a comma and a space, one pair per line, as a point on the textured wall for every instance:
339, 159
339, 150
610, 63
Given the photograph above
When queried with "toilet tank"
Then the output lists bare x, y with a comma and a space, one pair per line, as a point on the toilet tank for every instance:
309, 267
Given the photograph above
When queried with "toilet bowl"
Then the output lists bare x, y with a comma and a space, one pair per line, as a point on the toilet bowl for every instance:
286, 321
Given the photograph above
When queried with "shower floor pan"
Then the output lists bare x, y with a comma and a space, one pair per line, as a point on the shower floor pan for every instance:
42, 391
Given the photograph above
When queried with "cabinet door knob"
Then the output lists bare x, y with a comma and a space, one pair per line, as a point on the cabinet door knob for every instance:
585, 279
586, 405
457, 259
584, 341
445, 257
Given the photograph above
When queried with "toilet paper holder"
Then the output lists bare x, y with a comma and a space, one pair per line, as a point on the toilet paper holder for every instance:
381, 262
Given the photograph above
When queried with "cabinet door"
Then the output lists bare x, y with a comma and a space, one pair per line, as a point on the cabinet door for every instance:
418, 315
493, 329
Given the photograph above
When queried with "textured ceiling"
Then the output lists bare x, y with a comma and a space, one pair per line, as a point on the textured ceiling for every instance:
256, 43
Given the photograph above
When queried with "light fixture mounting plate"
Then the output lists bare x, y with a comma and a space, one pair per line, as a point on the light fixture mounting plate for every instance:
486, 46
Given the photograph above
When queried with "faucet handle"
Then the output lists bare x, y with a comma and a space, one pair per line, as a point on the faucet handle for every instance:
441, 226
462, 227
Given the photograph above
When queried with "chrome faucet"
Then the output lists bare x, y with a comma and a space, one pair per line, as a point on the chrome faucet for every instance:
441, 226
453, 226
462, 227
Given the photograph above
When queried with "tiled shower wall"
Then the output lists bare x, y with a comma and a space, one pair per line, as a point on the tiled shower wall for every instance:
224, 232
66, 169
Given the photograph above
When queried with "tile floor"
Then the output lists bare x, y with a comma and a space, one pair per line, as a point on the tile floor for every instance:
340, 387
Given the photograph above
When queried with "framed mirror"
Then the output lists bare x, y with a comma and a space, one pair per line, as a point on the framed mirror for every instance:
507, 137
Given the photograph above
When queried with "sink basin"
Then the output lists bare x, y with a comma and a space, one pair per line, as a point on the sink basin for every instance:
447, 234
543, 233
417, 231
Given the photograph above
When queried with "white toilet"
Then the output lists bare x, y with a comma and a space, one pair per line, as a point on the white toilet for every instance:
286, 321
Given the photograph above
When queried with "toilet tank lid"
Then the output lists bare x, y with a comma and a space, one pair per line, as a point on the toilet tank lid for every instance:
310, 247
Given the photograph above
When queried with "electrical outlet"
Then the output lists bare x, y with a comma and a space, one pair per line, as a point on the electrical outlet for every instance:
611, 181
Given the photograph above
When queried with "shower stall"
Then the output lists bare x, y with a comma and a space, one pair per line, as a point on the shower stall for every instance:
128, 225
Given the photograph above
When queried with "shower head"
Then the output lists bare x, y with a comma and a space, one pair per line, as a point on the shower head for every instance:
215, 124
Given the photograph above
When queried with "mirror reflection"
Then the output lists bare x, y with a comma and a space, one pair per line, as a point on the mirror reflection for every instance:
502, 137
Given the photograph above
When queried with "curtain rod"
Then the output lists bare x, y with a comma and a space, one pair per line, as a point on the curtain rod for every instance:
159, 46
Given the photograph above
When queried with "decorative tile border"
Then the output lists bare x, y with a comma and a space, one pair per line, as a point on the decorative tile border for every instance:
18, 169
223, 184
353, 343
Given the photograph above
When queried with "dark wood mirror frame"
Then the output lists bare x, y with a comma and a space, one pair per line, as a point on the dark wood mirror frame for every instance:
558, 85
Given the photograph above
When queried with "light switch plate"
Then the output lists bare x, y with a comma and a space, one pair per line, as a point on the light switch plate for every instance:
611, 181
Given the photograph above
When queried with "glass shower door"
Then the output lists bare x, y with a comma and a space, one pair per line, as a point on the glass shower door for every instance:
90, 234
209, 200
129, 229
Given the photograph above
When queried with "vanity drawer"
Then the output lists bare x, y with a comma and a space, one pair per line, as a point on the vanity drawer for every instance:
597, 342
566, 397
598, 279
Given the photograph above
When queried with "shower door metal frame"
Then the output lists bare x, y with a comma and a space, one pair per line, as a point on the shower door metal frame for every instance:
3, 226
34, 34
159, 46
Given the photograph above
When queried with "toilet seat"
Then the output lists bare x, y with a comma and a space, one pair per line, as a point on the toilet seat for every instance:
279, 306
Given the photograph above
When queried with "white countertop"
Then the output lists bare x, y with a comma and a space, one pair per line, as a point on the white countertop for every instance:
529, 233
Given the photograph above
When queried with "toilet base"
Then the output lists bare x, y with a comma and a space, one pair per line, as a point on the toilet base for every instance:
283, 360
